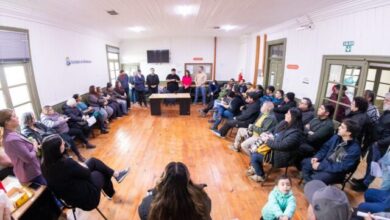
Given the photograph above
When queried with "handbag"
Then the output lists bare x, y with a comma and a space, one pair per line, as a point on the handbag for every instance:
263, 149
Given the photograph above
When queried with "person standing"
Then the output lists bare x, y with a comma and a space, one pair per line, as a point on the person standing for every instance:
139, 85
200, 83
124, 79
21, 151
152, 81
187, 81
173, 81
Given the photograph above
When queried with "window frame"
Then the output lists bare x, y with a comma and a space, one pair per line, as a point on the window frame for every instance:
29, 73
346, 60
110, 60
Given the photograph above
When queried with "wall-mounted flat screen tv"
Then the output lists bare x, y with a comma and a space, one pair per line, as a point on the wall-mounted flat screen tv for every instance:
158, 56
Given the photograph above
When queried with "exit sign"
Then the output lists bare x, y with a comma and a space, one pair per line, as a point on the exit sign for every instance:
348, 45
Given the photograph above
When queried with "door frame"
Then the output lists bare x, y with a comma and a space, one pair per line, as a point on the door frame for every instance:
282, 41
341, 58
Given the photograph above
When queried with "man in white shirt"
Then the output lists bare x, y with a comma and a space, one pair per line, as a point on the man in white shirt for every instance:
200, 83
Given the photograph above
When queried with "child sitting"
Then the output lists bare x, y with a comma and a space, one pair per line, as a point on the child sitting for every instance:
281, 201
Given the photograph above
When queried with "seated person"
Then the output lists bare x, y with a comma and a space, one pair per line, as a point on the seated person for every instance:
21, 151
316, 133
307, 110
37, 130
375, 200
58, 122
90, 111
283, 140
176, 197
121, 93
279, 97
212, 104
359, 115
381, 142
78, 184
338, 156
99, 103
269, 94
77, 120
326, 202
6, 167
228, 110
288, 102
247, 136
116, 98
116, 110
247, 116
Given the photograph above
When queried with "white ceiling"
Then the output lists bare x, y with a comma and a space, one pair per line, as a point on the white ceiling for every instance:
158, 18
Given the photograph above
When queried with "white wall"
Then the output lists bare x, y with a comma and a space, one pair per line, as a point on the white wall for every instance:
367, 26
50, 46
183, 50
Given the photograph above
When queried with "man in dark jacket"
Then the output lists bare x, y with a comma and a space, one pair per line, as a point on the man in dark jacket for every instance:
359, 114
152, 81
247, 116
282, 109
306, 108
337, 156
379, 147
316, 133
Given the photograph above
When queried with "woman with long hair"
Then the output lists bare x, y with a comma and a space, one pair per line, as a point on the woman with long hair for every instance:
283, 141
176, 197
78, 184
21, 151
186, 81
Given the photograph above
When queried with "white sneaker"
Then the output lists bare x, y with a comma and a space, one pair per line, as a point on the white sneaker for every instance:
257, 178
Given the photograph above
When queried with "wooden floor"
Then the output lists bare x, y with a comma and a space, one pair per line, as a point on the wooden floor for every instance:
147, 143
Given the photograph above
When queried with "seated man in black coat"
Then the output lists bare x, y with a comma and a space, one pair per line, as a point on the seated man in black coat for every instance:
282, 109
248, 115
316, 133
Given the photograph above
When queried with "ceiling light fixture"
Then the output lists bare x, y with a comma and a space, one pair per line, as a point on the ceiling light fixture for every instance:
137, 29
185, 10
228, 27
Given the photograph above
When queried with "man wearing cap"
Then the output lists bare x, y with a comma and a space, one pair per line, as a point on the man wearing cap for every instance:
338, 156
326, 202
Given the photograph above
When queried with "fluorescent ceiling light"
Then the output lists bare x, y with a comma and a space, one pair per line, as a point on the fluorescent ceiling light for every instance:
228, 27
185, 10
137, 29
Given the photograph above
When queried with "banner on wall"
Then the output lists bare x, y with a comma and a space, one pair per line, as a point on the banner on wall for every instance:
69, 62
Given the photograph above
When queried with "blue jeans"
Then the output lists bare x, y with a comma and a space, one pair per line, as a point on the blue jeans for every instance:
310, 174
257, 163
133, 96
203, 91
221, 113
374, 154
375, 201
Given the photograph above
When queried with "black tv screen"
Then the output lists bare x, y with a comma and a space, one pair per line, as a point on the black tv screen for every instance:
158, 56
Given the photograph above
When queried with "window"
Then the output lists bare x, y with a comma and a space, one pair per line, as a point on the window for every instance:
17, 86
345, 77
113, 63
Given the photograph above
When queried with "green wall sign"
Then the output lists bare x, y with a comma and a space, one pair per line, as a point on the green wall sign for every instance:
348, 45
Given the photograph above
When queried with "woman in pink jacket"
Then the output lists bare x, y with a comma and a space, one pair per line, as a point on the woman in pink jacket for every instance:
186, 81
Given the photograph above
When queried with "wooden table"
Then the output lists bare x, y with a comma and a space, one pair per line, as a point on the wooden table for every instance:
184, 100
26, 210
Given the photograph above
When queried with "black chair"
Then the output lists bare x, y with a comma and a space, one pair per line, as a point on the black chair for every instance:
347, 177
268, 160
74, 209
